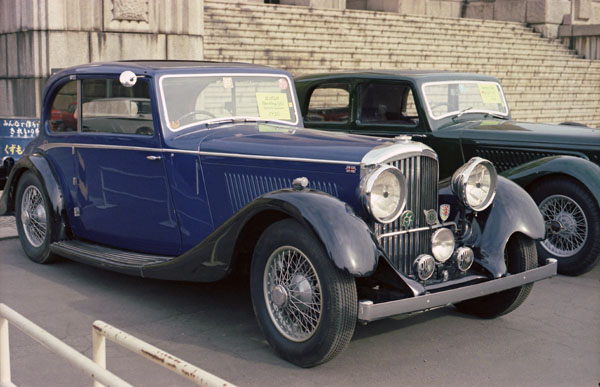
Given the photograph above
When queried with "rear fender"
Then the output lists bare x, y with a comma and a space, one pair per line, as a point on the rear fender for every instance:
40, 166
580, 169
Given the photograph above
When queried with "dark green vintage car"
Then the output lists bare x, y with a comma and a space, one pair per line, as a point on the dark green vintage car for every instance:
465, 115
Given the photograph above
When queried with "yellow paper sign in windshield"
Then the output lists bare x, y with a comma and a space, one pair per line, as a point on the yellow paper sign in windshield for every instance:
273, 106
489, 93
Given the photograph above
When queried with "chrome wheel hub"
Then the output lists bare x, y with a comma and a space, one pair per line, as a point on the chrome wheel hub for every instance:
292, 294
33, 216
566, 224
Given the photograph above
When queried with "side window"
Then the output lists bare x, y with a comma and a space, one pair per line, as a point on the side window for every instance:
387, 103
64, 106
329, 103
411, 107
109, 107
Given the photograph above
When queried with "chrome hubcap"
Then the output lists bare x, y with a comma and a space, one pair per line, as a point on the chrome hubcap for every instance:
566, 224
292, 294
33, 216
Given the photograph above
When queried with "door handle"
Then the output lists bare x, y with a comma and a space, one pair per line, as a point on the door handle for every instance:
153, 158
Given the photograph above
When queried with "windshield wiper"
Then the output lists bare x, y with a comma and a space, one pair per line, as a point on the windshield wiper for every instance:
460, 113
495, 116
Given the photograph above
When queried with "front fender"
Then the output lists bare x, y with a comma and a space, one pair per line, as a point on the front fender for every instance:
583, 170
345, 237
513, 211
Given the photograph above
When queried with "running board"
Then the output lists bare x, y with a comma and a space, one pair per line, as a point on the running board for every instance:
91, 252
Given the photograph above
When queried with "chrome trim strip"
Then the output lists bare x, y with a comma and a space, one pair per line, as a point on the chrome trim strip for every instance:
46, 147
396, 151
369, 311
434, 227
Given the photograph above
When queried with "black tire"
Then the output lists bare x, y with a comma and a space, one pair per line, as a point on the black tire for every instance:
573, 235
329, 324
520, 255
34, 224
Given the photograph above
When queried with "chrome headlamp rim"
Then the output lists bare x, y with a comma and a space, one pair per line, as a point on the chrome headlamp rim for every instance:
461, 177
367, 186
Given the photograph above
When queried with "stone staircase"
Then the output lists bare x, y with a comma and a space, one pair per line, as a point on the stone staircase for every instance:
542, 79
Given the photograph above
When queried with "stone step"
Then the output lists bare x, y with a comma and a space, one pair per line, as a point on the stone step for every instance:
487, 43
301, 60
212, 50
279, 22
291, 30
212, 6
402, 46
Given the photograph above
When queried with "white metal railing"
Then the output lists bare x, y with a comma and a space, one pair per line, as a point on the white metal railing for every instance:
96, 368
102, 330
50, 342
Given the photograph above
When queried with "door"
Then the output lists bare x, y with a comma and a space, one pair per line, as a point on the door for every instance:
123, 196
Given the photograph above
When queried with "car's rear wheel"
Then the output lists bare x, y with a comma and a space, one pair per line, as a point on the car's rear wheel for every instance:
520, 255
573, 231
305, 306
33, 219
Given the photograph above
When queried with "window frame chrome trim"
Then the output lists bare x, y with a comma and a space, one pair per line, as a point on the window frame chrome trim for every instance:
220, 74
430, 113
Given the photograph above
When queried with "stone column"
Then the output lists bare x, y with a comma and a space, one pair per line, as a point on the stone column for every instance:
39, 36
546, 16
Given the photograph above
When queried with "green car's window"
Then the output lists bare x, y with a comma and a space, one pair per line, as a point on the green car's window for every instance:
385, 103
64, 106
109, 107
444, 99
329, 103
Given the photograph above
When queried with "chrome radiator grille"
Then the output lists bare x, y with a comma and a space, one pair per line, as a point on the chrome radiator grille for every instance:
421, 174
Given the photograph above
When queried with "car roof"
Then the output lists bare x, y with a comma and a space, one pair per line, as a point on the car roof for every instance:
151, 67
420, 76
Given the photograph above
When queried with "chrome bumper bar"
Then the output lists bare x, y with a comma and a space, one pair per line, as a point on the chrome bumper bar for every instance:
369, 311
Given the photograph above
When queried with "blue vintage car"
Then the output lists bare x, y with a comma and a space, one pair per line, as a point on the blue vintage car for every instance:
196, 171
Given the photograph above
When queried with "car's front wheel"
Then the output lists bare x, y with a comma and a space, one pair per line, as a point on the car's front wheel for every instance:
572, 228
305, 306
33, 218
520, 255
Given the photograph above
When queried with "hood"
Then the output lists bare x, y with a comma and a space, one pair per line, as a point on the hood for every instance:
528, 133
288, 142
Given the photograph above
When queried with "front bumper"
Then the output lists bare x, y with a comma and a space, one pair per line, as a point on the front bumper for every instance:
369, 311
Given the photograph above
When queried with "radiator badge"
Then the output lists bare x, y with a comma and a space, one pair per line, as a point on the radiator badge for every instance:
444, 212
407, 218
350, 169
431, 217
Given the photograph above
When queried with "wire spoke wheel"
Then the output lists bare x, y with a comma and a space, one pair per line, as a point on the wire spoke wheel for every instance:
33, 216
304, 304
292, 293
566, 224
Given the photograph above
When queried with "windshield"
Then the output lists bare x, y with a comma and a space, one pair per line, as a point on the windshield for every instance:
445, 99
201, 99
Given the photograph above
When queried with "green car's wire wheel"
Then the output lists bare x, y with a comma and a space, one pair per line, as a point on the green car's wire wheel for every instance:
567, 225
571, 215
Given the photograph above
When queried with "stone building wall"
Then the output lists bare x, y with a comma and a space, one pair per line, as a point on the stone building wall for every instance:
38, 37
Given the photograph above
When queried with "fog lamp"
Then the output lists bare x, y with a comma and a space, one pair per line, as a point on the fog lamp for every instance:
442, 244
464, 258
424, 266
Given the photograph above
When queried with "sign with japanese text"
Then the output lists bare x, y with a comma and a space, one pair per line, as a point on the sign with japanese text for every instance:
15, 134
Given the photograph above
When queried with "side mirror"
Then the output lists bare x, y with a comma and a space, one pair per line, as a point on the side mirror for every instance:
127, 78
